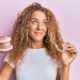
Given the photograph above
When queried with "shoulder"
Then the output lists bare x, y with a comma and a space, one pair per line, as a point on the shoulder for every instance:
7, 61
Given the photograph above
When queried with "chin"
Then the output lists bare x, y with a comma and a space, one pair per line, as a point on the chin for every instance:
38, 39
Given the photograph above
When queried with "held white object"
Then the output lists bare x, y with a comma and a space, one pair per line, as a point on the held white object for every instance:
5, 44
60, 50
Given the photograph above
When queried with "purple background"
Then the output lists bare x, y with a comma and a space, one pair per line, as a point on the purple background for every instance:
67, 13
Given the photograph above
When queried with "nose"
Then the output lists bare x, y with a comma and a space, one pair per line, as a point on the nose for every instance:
39, 26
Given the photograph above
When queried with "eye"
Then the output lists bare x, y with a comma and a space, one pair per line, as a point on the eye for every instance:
45, 23
34, 22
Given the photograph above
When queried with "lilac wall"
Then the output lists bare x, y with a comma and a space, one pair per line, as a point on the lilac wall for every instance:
67, 13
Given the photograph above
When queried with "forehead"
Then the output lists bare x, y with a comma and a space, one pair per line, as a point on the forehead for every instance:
39, 15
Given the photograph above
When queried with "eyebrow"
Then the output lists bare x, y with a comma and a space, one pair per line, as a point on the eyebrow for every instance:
37, 19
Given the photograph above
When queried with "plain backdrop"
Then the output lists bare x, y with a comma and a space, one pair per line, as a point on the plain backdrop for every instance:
67, 13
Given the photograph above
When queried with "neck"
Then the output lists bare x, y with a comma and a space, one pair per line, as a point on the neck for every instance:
37, 45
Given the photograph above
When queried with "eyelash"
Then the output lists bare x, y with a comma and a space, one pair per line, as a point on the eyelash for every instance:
33, 22
45, 23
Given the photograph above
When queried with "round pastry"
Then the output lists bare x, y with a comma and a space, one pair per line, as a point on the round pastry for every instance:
5, 44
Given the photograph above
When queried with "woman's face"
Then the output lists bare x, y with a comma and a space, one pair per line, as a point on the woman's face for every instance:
37, 26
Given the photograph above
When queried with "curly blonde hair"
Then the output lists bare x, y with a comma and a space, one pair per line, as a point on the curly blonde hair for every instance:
20, 40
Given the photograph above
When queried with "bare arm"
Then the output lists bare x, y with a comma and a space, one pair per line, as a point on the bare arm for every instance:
6, 72
67, 56
63, 73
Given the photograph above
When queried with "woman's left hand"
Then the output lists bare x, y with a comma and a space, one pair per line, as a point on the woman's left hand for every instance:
69, 54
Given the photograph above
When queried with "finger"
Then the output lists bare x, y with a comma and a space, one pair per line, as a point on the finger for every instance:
71, 53
69, 44
71, 50
74, 55
71, 47
74, 52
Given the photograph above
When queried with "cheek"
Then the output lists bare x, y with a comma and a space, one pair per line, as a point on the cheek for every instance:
31, 28
31, 32
45, 31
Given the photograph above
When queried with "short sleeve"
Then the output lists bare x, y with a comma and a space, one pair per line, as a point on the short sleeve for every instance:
7, 61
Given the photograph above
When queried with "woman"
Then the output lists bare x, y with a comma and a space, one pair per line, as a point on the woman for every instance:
39, 52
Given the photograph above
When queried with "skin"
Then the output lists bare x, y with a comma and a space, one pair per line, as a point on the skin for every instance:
37, 28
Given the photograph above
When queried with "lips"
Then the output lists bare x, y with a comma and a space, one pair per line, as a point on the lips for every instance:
38, 33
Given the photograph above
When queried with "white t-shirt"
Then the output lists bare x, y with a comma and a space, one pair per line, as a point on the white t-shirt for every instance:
36, 65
